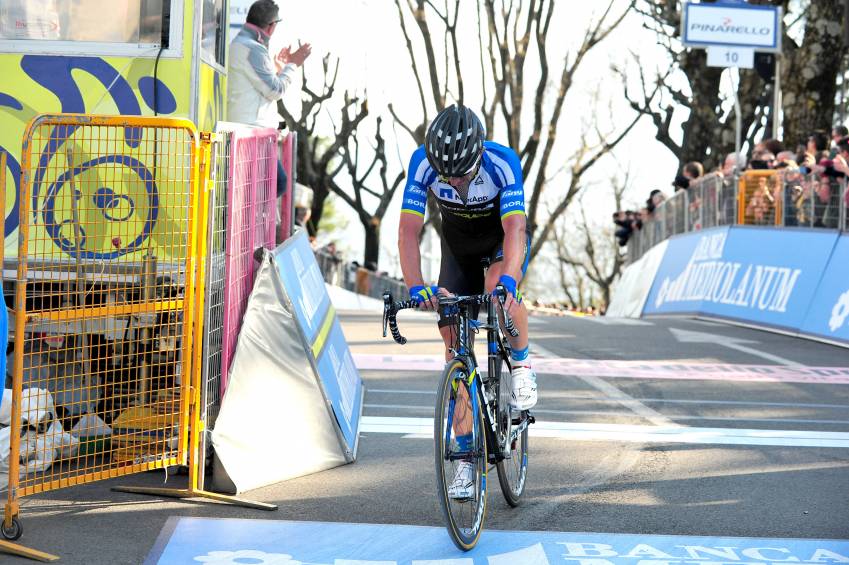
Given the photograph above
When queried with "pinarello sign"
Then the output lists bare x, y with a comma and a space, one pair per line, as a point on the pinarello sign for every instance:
732, 24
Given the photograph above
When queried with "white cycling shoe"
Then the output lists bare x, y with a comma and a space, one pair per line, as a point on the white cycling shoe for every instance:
523, 394
463, 486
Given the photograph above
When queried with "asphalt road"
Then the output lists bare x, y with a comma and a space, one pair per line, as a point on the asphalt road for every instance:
710, 476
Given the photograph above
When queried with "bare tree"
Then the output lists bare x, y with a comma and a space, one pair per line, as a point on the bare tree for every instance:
587, 252
809, 73
809, 79
319, 157
513, 35
338, 164
363, 175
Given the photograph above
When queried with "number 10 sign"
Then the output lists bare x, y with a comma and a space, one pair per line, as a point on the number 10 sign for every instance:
740, 57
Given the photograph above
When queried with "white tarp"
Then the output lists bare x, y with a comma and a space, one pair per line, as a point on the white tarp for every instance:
274, 422
634, 286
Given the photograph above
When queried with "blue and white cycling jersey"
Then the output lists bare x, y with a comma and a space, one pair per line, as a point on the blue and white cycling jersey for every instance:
494, 194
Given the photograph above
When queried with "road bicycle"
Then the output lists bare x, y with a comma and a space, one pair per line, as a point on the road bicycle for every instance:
471, 404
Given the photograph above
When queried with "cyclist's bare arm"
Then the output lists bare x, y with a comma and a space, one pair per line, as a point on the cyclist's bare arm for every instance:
514, 245
409, 230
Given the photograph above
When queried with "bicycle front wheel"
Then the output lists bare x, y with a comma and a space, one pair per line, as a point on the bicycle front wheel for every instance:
460, 455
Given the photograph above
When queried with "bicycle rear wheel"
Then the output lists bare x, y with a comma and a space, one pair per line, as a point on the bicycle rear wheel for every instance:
459, 414
512, 471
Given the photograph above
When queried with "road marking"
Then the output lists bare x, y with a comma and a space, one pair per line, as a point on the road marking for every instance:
595, 398
228, 540
631, 433
656, 369
615, 394
609, 414
689, 336
604, 320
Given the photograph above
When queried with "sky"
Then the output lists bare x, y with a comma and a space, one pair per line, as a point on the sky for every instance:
366, 37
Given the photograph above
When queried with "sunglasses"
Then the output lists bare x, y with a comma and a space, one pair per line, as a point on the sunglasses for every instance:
465, 178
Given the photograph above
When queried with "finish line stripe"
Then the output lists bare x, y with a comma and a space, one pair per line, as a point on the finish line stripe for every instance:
423, 427
630, 369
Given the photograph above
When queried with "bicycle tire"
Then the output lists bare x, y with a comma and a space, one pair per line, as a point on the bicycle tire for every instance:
464, 519
512, 472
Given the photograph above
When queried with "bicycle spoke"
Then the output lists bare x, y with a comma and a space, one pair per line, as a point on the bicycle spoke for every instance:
460, 457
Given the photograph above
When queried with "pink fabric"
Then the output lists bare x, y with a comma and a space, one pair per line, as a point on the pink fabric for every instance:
287, 158
251, 219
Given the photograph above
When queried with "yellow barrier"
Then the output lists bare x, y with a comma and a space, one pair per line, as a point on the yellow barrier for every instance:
760, 198
108, 304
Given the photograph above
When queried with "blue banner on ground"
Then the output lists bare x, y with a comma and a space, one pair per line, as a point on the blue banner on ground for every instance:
303, 283
342, 381
228, 542
316, 317
828, 315
760, 275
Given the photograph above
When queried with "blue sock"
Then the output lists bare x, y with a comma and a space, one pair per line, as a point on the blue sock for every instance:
519, 354
464, 442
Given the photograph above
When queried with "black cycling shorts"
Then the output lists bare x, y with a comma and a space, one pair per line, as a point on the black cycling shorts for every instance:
464, 273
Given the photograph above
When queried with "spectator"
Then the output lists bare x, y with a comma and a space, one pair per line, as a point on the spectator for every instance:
761, 160
760, 204
654, 200
837, 133
785, 159
332, 263
732, 164
774, 146
693, 170
681, 183
628, 222
817, 143
841, 163
255, 80
303, 205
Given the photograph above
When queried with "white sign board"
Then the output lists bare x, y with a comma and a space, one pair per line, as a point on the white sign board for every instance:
238, 15
740, 57
730, 24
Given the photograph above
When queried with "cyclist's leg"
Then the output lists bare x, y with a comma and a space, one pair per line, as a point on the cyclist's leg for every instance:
459, 274
464, 276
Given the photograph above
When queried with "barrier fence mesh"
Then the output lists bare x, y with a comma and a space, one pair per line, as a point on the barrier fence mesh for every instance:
786, 197
251, 221
104, 314
215, 272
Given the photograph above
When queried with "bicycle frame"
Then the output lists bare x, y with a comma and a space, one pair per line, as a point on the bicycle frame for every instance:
497, 351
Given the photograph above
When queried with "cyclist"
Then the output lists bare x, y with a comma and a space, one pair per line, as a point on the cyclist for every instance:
479, 190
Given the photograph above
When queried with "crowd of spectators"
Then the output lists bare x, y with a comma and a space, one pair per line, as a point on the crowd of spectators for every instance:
805, 185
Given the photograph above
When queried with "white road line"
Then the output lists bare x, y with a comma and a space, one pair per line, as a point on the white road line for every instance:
570, 396
608, 414
423, 427
689, 336
614, 393
604, 320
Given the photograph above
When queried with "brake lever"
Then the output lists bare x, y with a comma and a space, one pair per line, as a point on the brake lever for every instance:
387, 308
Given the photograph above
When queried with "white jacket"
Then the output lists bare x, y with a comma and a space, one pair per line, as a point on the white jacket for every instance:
253, 84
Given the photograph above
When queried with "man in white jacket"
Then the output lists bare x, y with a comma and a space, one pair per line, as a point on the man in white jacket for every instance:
255, 80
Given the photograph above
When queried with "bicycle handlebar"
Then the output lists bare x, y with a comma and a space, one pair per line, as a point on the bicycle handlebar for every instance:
391, 309
390, 313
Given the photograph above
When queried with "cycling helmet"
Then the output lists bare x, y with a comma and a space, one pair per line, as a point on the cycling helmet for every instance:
454, 141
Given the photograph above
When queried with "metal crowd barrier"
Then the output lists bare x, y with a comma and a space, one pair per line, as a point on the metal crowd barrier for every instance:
109, 303
356, 279
251, 219
784, 197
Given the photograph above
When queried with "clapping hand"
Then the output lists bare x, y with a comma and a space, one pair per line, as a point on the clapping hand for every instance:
299, 56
